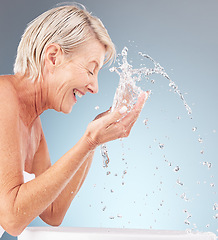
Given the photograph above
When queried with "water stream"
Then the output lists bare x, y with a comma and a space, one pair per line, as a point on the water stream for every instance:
127, 91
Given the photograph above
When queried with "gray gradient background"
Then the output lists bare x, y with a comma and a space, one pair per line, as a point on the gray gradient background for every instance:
182, 36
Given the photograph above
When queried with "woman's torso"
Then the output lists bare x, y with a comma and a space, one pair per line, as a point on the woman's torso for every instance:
29, 132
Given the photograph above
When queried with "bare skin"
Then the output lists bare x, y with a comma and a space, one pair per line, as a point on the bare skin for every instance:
23, 146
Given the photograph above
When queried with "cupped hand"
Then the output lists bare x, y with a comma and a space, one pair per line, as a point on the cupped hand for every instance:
109, 126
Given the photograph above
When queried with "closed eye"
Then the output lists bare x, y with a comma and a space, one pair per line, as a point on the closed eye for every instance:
91, 73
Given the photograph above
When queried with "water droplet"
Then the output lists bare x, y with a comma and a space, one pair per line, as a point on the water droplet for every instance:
200, 140
179, 182
112, 190
187, 222
97, 107
104, 208
111, 217
208, 164
189, 216
194, 129
216, 216
176, 169
108, 173
119, 216
208, 225
105, 156
161, 145
145, 121
112, 69
202, 152
215, 206
183, 196
212, 184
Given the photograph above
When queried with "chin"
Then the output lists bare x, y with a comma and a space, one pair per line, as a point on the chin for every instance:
67, 109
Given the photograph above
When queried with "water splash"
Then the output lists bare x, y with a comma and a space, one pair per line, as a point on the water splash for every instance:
128, 92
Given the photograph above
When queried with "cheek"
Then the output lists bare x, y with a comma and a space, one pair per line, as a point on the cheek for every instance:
82, 79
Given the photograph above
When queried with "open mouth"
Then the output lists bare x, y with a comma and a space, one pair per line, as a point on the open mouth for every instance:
77, 93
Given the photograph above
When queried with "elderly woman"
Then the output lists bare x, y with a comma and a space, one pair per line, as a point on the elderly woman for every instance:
58, 58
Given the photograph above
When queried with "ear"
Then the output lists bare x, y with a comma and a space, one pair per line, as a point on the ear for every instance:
53, 56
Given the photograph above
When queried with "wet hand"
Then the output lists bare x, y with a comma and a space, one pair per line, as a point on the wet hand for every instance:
109, 126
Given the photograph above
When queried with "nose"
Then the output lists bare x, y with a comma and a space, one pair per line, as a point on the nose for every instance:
93, 85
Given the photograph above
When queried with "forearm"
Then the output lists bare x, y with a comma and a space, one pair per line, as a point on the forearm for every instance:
55, 213
29, 200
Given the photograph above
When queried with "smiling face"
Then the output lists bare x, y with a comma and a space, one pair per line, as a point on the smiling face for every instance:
75, 76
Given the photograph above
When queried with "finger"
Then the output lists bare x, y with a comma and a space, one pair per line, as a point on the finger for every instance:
116, 115
133, 115
141, 100
102, 114
126, 123
120, 112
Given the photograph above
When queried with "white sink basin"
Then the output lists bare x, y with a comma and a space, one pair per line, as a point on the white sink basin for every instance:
71, 233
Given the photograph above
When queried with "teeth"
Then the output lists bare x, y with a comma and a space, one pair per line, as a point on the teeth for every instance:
77, 93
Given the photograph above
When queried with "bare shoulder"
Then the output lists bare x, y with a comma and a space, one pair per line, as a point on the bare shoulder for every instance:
8, 96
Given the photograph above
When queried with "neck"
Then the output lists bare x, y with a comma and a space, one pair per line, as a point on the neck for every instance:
32, 97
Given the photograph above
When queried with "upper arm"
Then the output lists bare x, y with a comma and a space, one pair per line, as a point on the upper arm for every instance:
11, 166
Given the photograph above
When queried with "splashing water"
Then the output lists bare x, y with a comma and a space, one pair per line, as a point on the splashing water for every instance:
128, 92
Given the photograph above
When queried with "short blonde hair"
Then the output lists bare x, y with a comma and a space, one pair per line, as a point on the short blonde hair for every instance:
69, 26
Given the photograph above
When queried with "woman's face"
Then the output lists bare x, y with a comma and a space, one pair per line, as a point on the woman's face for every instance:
78, 76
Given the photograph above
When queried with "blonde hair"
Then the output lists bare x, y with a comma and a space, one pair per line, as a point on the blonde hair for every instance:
69, 26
